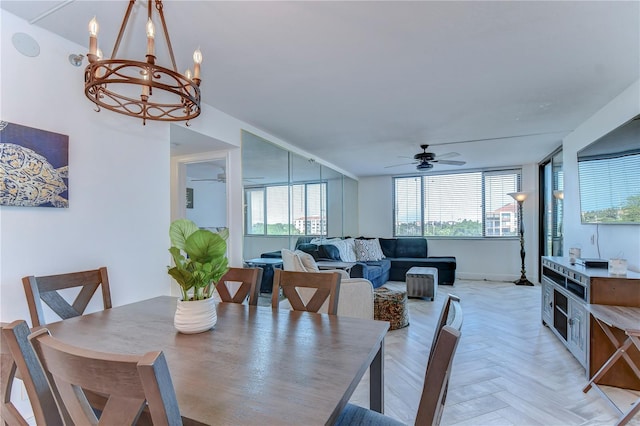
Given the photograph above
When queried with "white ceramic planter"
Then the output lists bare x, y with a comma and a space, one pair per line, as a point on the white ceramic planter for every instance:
195, 316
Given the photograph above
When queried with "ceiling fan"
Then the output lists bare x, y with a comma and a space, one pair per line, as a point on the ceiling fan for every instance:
424, 160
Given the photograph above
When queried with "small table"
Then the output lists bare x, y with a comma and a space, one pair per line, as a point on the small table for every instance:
327, 264
267, 264
626, 319
422, 282
391, 305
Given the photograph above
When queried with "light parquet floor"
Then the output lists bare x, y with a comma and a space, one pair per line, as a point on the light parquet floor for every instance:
509, 369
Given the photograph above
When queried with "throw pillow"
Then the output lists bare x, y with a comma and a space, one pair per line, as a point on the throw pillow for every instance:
312, 249
291, 262
346, 248
329, 251
350, 251
308, 261
378, 249
367, 250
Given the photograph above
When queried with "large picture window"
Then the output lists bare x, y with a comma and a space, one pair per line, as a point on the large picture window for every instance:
472, 204
268, 211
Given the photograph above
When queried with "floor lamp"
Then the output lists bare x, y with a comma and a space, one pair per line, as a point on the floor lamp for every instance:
520, 197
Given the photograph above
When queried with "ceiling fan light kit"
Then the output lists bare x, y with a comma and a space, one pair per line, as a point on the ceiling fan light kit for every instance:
142, 89
424, 165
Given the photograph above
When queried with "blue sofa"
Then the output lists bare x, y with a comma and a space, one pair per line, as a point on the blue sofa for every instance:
375, 271
400, 255
413, 251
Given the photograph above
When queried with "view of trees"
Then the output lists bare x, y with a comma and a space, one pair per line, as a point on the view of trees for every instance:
630, 212
275, 229
465, 228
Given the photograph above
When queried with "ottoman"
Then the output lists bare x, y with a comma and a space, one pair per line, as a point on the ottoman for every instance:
422, 282
391, 305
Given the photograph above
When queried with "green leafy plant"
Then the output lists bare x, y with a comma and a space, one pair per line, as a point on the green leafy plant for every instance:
200, 258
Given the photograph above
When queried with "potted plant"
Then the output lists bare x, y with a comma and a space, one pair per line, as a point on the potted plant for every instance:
200, 259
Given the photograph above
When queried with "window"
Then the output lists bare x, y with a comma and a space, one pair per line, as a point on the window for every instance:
268, 213
473, 204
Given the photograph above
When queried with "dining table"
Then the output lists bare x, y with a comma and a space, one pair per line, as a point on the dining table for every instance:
256, 366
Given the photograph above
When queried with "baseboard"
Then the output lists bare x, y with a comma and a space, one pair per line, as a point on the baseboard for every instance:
487, 277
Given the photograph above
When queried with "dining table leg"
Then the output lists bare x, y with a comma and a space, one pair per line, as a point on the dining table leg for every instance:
376, 384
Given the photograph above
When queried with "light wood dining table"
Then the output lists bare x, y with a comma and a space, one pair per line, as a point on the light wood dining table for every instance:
257, 366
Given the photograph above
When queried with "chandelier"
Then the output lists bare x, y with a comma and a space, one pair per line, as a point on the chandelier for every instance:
141, 88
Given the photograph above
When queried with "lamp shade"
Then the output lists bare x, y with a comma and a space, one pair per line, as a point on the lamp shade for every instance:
558, 194
518, 196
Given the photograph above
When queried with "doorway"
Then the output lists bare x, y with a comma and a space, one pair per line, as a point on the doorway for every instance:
551, 205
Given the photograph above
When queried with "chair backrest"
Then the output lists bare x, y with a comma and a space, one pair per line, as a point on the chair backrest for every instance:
45, 288
436, 379
249, 279
132, 383
17, 358
448, 316
326, 285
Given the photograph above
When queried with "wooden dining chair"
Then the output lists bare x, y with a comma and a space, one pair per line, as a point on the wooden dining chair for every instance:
132, 383
451, 314
18, 360
433, 393
436, 381
250, 279
45, 289
298, 287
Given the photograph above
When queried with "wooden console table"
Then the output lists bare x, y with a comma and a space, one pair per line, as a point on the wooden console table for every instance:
591, 312
567, 290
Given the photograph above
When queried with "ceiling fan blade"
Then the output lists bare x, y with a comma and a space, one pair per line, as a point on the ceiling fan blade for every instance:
448, 155
403, 164
451, 162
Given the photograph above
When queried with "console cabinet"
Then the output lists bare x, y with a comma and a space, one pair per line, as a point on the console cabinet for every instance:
567, 289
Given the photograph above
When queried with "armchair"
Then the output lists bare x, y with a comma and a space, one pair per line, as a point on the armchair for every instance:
356, 294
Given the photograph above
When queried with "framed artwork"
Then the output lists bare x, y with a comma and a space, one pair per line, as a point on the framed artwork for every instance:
34, 167
189, 198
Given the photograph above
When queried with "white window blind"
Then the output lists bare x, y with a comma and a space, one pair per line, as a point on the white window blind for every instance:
408, 206
277, 210
501, 210
254, 216
453, 205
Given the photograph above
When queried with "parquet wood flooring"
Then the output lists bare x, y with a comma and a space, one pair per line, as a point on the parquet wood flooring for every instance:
509, 369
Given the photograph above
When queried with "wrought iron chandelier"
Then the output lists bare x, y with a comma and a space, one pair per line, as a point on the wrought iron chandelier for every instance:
142, 89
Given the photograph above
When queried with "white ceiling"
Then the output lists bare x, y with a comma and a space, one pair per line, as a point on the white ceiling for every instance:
360, 83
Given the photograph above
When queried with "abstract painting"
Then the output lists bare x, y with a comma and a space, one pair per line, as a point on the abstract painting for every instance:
34, 167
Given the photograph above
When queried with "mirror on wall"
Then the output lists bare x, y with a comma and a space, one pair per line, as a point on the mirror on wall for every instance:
206, 193
609, 179
287, 195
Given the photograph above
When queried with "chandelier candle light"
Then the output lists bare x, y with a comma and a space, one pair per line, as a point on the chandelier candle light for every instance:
127, 86
520, 197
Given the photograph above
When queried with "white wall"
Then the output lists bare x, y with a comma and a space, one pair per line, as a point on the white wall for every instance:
613, 239
118, 212
489, 259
